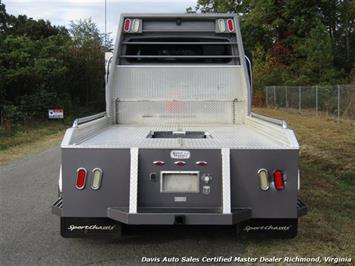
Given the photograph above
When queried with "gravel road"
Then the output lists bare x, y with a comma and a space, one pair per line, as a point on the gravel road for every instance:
29, 233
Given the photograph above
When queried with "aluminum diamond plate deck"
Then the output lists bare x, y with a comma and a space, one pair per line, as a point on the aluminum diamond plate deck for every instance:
234, 136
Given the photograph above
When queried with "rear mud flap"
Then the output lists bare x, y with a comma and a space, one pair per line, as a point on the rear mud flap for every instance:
90, 227
271, 228
267, 228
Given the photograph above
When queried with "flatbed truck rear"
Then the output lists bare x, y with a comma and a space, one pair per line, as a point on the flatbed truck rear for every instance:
178, 143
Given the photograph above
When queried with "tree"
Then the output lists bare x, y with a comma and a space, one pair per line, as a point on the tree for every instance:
221, 6
315, 62
309, 41
88, 64
44, 66
3, 18
85, 32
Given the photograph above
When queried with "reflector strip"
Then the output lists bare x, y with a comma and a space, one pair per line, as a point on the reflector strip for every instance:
133, 184
81, 178
226, 181
96, 178
127, 25
279, 180
230, 23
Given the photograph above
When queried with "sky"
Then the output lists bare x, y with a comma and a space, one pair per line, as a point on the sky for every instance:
61, 12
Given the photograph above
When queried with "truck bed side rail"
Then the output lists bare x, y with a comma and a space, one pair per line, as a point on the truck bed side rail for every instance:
85, 127
86, 119
278, 122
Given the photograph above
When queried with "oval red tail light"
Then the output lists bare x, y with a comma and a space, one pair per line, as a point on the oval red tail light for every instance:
127, 25
230, 24
279, 180
81, 178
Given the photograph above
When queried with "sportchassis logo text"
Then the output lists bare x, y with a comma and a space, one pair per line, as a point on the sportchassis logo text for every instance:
73, 227
180, 154
267, 228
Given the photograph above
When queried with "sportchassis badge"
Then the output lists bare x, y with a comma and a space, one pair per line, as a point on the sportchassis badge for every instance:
267, 228
180, 154
91, 227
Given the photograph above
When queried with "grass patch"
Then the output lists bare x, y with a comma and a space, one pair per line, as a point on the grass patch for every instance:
25, 140
327, 165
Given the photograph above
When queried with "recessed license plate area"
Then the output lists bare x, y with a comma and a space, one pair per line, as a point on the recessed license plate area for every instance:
170, 185
180, 182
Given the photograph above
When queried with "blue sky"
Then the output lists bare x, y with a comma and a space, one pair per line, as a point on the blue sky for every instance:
63, 11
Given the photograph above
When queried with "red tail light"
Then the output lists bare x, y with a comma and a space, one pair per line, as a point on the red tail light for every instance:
279, 180
127, 25
81, 178
230, 23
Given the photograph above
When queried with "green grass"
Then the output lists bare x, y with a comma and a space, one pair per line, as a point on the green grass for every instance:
327, 164
24, 140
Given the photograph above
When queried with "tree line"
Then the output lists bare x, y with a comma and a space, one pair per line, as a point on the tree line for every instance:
301, 42
44, 66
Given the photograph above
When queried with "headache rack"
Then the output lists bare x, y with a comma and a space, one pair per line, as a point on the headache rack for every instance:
179, 50
189, 41
163, 63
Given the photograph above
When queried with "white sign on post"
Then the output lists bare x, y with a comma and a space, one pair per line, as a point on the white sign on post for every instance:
55, 113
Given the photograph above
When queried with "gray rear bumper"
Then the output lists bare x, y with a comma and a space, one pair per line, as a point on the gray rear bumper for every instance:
177, 216
171, 216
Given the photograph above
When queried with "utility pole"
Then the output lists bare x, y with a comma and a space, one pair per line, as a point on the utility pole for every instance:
105, 23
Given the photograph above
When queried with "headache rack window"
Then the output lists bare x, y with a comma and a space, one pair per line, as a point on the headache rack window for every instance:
178, 50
